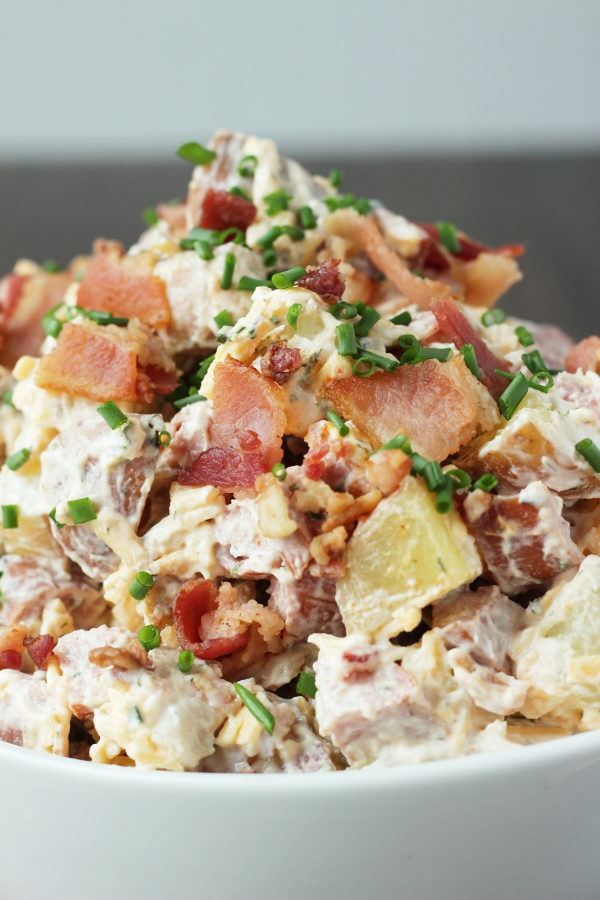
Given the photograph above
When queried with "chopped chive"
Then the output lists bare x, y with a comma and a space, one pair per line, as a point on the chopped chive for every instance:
52, 515
590, 452
493, 317
293, 313
504, 374
81, 510
448, 236
7, 398
150, 216
541, 381
270, 236
419, 463
296, 234
343, 310
369, 316
149, 637
50, 324
346, 339
441, 353
51, 266
269, 258
382, 362
443, 499
525, 336
307, 217
112, 415
10, 515
276, 201
468, 354
337, 421
227, 276
334, 203
406, 341
141, 585
250, 284
336, 177
195, 153
411, 348
247, 165
203, 250
403, 318
460, 478
306, 685
223, 318
400, 442
101, 317
433, 475
18, 459
185, 661
279, 471
362, 206
163, 438
253, 705
288, 278
203, 368
199, 235
534, 361
359, 368
240, 192
486, 483
512, 396
187, 401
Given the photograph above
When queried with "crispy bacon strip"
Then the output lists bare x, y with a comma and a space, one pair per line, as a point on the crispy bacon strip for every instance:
221, 210
125, 286
585, 355
10, 659
225, 468
24, 299
325, 280
194, 599
40, 649
455, 327
470, 249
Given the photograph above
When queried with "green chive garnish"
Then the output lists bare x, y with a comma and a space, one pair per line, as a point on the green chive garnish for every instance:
247, 166
399, 442
337, 421
253, 705
525, 336
468, 354
534, 361
270, 236
203, 250
433, 475
81, 510
336, 177
293, 313
590, 452
460, 478
276, 202
279, 471
187, 401
288, 278
493, 317
150, 216
149, 637
382, 362
343, 310
306, 685
203, 368
364, 368
334, 203
250, 284
227, 276
112, 415
10, 516
223, 319
240, 192
512, 396
163, 438
443, 500
307, 217
195, 153
51, 266
18, 459
346, 339
363, 206
50, 324
185, 661
541, 381
403, 318
100, 317
7, 398
141, 584
448, 236
504, 374
269, 258
52, 515
369, 316
441, 353
486, 483
419, 464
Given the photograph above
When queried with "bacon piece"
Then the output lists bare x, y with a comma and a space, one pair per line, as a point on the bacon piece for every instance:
194, 599
281, 361
455, 327
40, 649
125, 287
162, 382
24, 299
470, 249
11, 290
307, 605
221, 210
439, 406
324, 280
225, 468
523, 539
585, 355
10, 659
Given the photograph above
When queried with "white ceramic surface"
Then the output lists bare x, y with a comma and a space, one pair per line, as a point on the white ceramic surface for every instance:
519, 825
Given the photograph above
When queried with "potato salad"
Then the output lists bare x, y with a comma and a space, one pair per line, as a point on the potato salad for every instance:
283, 489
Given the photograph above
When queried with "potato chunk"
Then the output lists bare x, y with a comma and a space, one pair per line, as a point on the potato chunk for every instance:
403, 557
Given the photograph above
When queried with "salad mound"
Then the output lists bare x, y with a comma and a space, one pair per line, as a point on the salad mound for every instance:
283, 490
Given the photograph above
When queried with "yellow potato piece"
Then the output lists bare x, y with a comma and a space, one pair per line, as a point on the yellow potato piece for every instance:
404, 556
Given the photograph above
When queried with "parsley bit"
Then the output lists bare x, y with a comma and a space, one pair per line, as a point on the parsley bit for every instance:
195, 153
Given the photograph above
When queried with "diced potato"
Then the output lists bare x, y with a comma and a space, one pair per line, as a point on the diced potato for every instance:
403, 557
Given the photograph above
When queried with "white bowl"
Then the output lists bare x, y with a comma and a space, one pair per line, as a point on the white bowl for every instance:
521, 825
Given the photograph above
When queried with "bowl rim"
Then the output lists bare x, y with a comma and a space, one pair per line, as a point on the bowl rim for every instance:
571, 750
